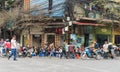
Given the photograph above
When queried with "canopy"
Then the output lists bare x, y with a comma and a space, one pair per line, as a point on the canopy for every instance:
88, 24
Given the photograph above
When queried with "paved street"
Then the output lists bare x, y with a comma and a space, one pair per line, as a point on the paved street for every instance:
58, 65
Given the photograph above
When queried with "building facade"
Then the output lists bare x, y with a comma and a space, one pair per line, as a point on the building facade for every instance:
90, 24
46, 30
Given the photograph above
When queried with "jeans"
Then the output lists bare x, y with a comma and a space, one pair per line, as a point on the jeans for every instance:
105, 55
63, 54
71, 55
46, 53
14, 53
41, 54
3, 51
52, 54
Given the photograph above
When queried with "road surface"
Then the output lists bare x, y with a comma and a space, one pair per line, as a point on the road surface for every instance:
37, 64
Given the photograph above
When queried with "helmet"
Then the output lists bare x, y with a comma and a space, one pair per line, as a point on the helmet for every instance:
7, 40
110, 43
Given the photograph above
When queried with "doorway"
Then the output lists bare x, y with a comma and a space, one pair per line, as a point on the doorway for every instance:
37, 40
102, 38
86, 40
50, 39
117, 39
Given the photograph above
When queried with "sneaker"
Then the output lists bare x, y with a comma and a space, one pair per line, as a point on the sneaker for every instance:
15, 59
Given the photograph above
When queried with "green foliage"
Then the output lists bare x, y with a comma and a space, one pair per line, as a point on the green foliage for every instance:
10, 2
108, 7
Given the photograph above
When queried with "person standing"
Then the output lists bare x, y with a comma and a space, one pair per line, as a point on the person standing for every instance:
2, 47
7, 46
105, 49
13, 48
111, 50
66, 50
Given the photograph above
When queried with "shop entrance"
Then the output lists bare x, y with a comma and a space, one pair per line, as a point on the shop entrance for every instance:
102, 38
37, 40
86, 40
117, 40
50, 38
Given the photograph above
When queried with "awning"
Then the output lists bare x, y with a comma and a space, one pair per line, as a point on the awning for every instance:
88, 24
107, 20
86, 18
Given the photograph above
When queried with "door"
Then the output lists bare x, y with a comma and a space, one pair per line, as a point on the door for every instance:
102, 38
37, 40
117, 40
50, 39
86, 40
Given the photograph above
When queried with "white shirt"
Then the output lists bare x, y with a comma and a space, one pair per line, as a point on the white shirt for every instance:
60, 50
13, 44
105, 47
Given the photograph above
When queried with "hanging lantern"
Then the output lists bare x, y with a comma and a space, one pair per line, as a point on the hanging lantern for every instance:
85, 6
66, 28
59, 30
63, 31
70, 23
68, 18
90, 8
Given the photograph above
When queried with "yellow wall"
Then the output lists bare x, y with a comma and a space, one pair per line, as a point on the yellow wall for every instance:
116, 31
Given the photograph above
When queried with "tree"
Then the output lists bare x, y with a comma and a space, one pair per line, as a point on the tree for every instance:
109, 9
8, 14
18, 16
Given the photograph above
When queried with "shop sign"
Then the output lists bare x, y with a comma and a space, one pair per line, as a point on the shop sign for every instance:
37, 35
104, 30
